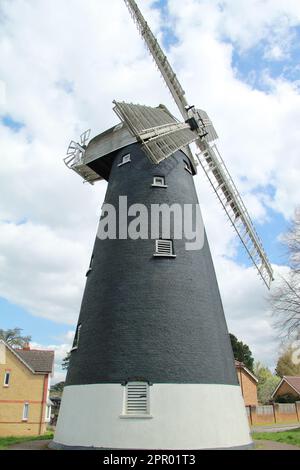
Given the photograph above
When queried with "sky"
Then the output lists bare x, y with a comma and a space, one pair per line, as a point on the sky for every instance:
62, 64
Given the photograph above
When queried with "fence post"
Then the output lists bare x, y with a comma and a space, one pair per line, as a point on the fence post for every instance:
250, 414
253, 414
297, 405
275, 411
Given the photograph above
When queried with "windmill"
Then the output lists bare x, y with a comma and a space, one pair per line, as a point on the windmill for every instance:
151, 364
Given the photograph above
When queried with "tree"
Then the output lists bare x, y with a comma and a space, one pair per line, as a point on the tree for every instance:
285, 300
267, 382
57, 388
287, 398
241, 352
288, 363
14, 338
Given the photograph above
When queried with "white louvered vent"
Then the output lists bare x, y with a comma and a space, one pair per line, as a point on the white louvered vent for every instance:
137, 399
164, 248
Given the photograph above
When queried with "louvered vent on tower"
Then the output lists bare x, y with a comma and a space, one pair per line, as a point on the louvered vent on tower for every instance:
137, 399
164, 248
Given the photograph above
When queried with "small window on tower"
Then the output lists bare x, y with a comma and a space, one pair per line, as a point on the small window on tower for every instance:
76, 337
136, 400
187, 167
164, 248
159, 182
6, 378
90, 266
125, 159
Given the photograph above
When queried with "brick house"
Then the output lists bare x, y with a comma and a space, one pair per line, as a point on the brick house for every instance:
289, 385
24, 390
248, 383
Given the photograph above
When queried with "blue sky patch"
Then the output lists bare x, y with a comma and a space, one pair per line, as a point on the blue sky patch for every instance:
254, 64
14, 125
269, 234
41, 330
168, 36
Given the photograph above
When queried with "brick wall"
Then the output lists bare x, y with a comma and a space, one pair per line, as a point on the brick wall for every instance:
24, 386
285, 389
248, 386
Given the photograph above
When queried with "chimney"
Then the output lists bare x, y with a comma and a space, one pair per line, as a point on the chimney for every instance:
26, 347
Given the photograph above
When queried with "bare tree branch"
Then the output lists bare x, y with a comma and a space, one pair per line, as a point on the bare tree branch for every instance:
285, 300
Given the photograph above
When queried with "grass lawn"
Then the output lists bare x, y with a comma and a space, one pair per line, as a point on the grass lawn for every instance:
288, 437
7, 441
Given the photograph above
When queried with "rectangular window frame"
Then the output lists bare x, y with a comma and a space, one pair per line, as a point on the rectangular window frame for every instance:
156, 183
6, 381
76, 338
126, 414
25, 411
160, 252
48, 413
125, 159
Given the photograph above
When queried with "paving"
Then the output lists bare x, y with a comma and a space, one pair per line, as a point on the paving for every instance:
31, 445
272, 445
259, 445
275, 427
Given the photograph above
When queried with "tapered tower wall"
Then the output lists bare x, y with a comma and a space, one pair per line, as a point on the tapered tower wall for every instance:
154, 319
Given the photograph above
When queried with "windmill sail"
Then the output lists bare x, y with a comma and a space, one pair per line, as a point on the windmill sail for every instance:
231, 201
159, 132
210, 132
209, 158
159, 57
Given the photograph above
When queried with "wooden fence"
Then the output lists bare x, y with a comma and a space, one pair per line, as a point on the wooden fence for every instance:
274, 414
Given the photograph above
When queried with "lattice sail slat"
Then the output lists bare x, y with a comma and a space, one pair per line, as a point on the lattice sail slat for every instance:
159, 132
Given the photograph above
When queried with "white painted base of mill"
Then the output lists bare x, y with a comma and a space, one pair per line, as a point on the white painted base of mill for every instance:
183, 416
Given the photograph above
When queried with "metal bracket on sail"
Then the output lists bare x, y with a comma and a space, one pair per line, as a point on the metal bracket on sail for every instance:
205, 125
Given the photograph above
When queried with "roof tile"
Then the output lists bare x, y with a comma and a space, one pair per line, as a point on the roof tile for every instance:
38, 360
294, 381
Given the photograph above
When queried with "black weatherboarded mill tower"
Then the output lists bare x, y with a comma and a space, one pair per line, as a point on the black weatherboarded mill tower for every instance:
151, 365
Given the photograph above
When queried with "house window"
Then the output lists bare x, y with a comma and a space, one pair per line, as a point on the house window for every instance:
136, 400
164, 248
76, 337
187, 167
6, 379
25, 411
159, 182
125, 159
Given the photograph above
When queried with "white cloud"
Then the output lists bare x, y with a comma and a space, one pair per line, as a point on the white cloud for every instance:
247, 307
63, 65
2, 93
275, 53
244, 22
42, 272
258, 136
